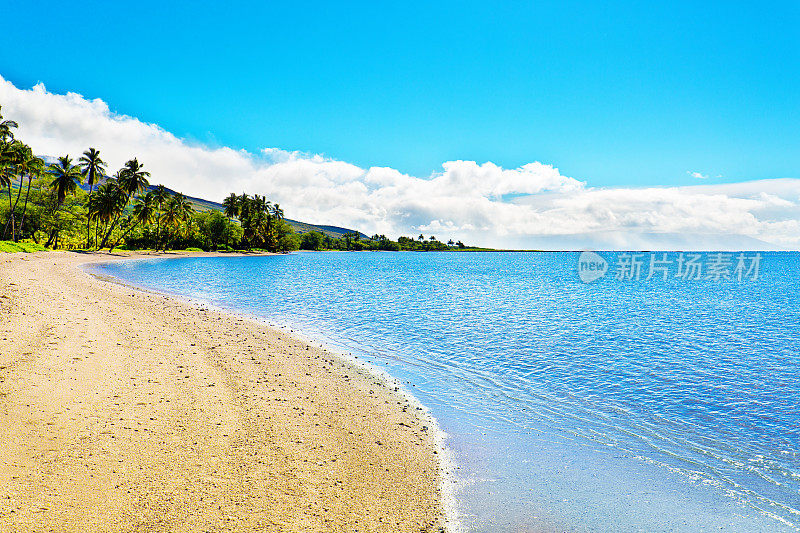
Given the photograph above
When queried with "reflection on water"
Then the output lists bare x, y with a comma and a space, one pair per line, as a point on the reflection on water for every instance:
618, 405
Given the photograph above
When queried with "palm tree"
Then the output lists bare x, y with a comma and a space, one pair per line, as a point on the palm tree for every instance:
350, 237
106, 205
250, 217
181, 206
25, 164
132, 178
277, 212
160, 196
11, 155
6, 135
34, 167
143, 213
94, 207
93, 168
231, 205
262, 209
5, 183
8, 155
66, 178
178, 209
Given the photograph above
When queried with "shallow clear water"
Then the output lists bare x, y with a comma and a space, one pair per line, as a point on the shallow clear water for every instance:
620, 405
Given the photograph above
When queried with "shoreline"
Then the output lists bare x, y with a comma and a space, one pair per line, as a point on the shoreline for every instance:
374, 468
446, 465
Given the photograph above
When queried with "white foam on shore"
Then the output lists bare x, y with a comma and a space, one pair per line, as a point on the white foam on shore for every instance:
447, 479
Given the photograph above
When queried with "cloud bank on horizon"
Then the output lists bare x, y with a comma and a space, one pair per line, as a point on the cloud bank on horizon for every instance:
533, 206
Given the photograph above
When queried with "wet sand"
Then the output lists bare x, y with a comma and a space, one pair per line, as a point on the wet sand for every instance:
122, 410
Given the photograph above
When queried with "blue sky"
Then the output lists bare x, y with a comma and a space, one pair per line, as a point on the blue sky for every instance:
615, 94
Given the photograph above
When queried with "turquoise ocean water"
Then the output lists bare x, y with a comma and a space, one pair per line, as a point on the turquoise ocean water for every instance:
661, 404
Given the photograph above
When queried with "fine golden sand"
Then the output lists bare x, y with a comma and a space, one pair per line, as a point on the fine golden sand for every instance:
122, 410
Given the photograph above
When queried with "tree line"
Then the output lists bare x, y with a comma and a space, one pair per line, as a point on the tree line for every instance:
47, 205
316, 240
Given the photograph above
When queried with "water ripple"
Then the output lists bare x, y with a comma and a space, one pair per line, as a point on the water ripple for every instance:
697, 378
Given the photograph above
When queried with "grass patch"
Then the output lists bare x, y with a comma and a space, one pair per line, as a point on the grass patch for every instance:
11, 247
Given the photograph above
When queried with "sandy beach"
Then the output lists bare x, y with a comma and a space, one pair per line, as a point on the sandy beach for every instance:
122, 410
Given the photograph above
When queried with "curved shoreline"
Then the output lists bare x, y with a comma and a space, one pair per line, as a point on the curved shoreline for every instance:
446, 466
162, 415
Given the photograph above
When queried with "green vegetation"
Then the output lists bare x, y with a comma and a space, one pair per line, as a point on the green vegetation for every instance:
315, 240
46, 205
11, 247
261, 221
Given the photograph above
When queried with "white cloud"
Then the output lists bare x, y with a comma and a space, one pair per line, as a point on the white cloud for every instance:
697, 175
533, 205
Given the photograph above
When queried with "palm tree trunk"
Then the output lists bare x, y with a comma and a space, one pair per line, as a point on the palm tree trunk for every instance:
25, 205
169, 237
51, 238
89, 219
10, 219
130, 228
110, 229
13, 212
114, 222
